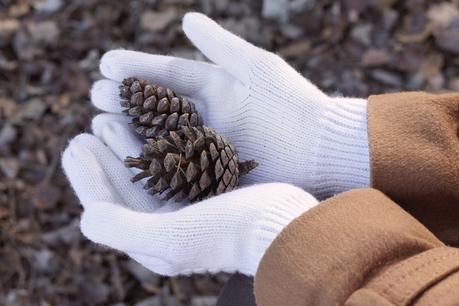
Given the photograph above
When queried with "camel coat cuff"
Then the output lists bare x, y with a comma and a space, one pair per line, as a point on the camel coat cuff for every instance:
353, 249
414, 156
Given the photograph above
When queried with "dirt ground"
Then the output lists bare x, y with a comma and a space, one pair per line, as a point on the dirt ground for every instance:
49, 53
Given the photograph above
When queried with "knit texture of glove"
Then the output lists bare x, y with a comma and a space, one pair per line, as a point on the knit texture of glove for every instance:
257, 101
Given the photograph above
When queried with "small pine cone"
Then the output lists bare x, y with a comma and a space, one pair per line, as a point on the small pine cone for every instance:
193, 163
155, 109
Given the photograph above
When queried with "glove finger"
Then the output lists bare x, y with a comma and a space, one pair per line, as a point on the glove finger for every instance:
87, 178
158, 265
99, 122
118, 175
115, 132
171, 235
184, 76
125, 230
105, 96
170, 206
219, 45
120, 228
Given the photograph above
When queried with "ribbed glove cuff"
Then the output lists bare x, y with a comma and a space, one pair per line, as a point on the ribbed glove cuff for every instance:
342, 160
277, 215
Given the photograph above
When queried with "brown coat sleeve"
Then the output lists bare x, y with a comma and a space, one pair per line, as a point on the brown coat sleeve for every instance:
414, 153
358, 248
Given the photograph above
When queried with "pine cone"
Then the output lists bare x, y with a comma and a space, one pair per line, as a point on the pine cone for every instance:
193, 163
155, 109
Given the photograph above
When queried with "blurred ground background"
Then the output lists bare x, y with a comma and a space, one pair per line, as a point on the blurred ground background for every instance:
49, 53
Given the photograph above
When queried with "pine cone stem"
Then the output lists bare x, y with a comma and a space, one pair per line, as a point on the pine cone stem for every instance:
247, 166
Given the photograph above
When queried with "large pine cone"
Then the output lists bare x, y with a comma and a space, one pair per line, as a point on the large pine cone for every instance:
193, 163
155, 109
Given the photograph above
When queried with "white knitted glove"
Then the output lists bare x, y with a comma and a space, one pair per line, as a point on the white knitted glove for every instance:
230, 232
263, 106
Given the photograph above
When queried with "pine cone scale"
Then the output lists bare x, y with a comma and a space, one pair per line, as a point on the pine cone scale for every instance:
191, 172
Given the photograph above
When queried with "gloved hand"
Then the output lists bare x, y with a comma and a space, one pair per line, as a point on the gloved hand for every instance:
270, 113
229, 232
263, 106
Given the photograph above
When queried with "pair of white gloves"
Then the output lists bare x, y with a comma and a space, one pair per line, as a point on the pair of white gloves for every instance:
298, 134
